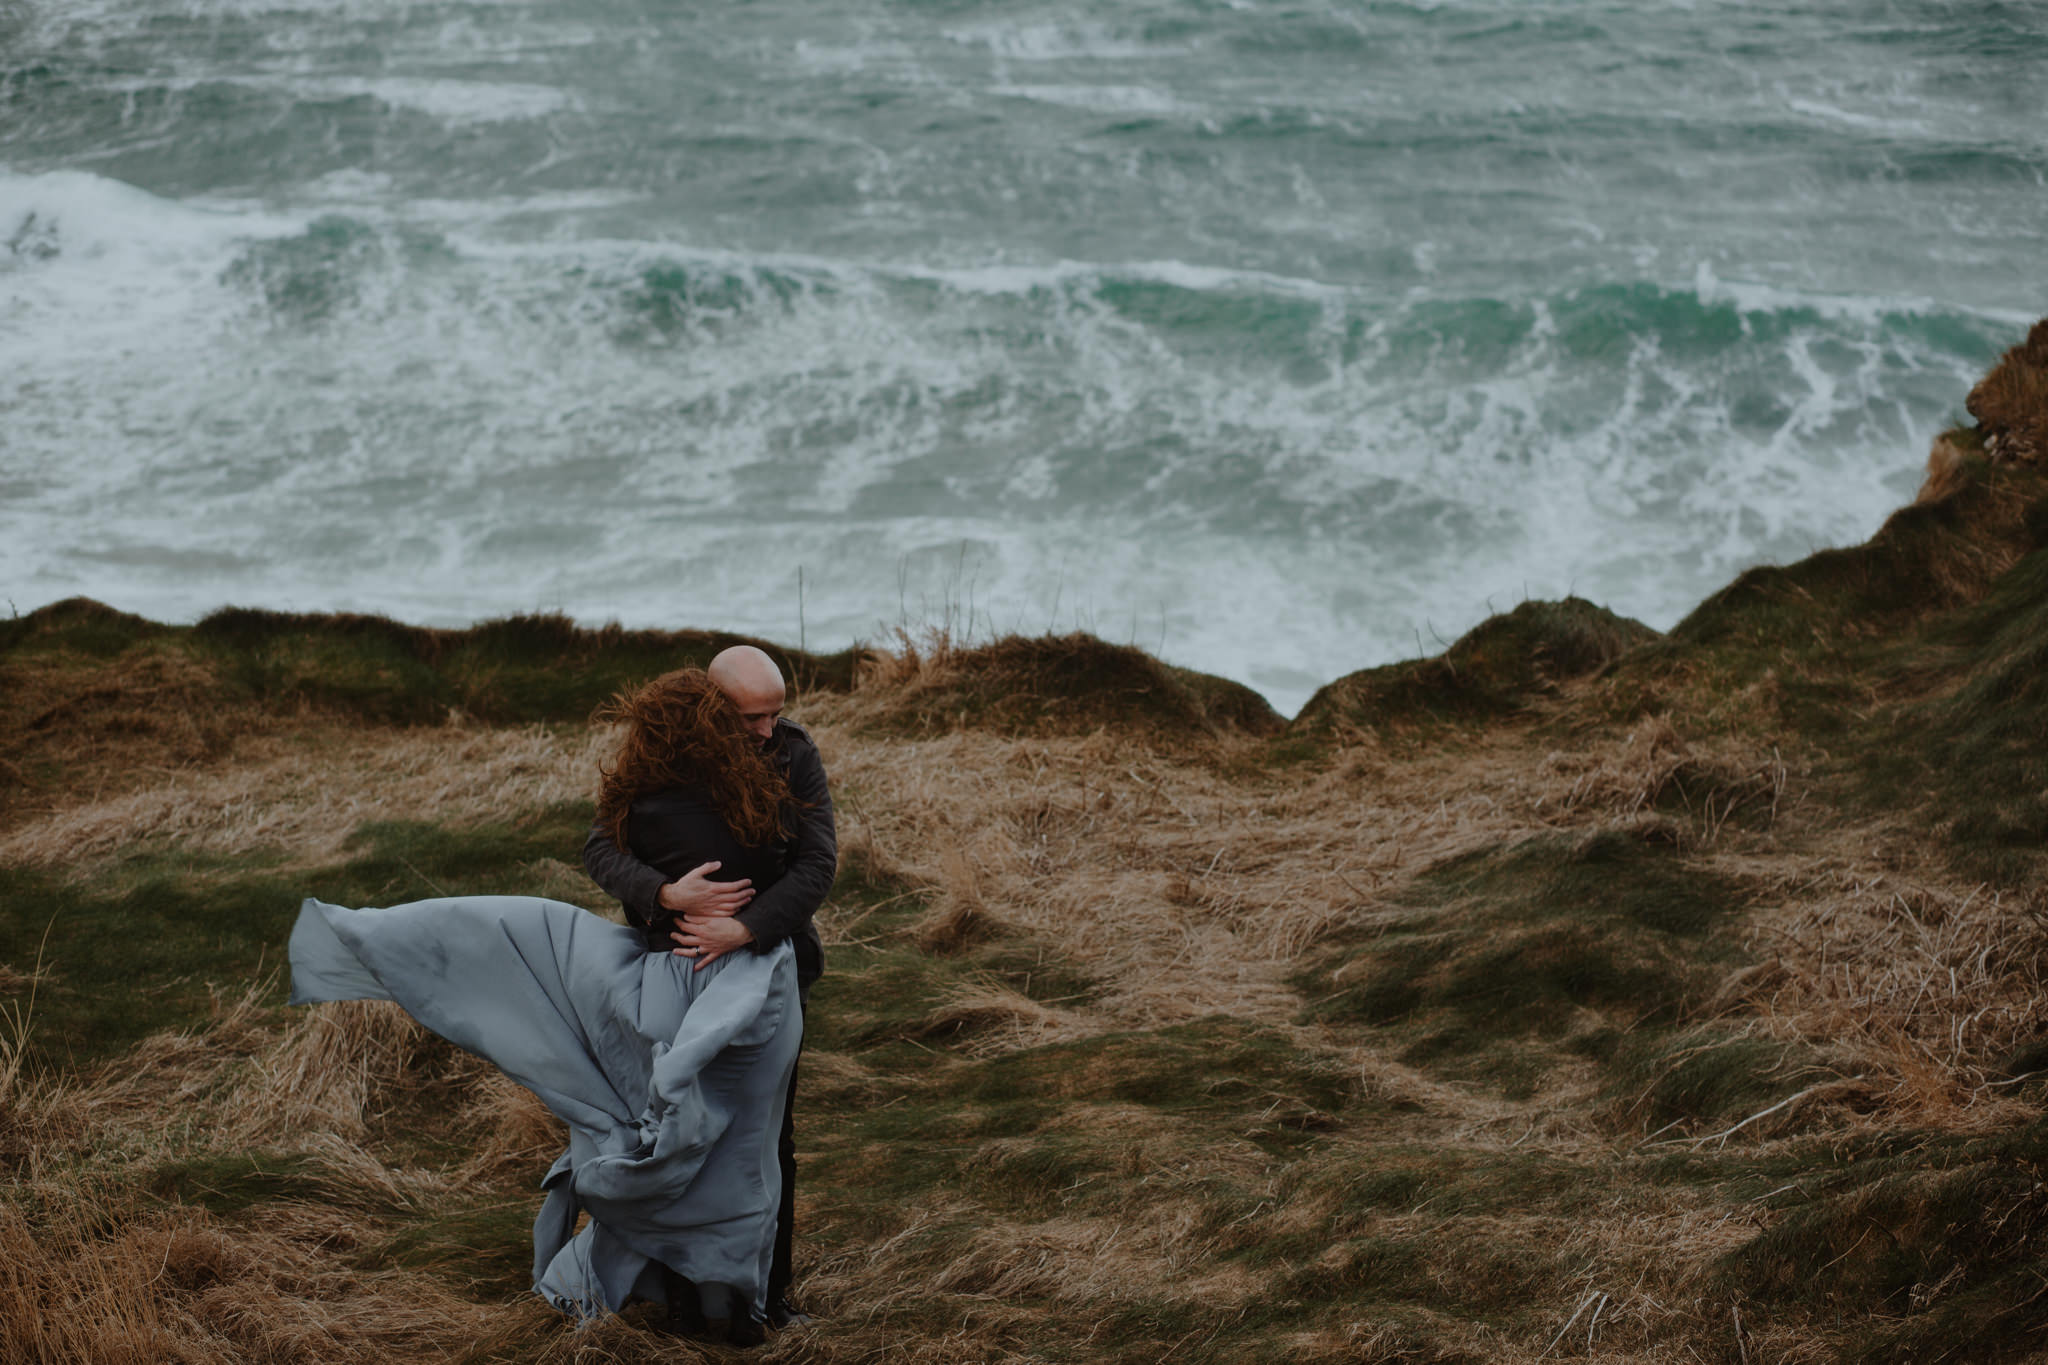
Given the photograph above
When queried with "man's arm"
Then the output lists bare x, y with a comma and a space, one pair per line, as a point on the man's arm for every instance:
624, 878
648, 896
786, 907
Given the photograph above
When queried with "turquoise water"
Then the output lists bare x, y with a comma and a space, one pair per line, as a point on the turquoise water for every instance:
1282, 339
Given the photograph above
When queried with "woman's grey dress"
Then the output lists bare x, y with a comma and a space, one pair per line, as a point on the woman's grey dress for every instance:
671, 1080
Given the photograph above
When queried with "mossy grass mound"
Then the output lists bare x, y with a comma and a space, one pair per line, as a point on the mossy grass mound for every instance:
1971, 750
90, 695
1814, 649
1925, 559
1500, 965
1497, 668
1052, 685
2011, 402
1912, 664
518, 669
1944, 1244
78, 625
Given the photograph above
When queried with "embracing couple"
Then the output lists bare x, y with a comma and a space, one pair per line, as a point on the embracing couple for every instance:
669, 1046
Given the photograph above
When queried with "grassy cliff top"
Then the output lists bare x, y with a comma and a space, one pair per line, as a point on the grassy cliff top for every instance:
1581, 993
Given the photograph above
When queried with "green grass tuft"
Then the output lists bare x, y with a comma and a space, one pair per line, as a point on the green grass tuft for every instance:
1941, 1247
1055, 684
1495, 669
1515, 940
1662, 1079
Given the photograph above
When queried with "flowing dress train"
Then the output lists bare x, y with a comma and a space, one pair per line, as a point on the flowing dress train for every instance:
672, 1080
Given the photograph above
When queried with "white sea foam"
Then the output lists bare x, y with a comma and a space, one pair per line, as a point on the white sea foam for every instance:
450, 100
116, 272
1275, 405
1054, 42
1875, 123
415, 455
1754, 297
1108, 99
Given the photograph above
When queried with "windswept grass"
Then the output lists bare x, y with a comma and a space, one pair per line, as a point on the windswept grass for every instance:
2011, 402
1064, 684
1498, 668
1578, 995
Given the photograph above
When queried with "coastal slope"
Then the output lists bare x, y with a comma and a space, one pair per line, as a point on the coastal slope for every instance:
1582, 993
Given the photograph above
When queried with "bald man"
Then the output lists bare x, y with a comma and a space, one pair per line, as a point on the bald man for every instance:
707, 918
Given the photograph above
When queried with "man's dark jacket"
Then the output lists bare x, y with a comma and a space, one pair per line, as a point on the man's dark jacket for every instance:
673, 832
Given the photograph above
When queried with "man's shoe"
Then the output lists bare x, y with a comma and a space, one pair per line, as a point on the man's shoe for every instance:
782, 1313
743, 1330
684, 1316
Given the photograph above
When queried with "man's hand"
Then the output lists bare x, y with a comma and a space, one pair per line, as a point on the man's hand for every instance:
694, 894
707, 938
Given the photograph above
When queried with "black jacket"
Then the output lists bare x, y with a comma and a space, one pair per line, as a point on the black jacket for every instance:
671, 832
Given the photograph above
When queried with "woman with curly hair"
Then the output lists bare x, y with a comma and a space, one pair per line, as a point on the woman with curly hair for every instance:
686, 793
670, 1066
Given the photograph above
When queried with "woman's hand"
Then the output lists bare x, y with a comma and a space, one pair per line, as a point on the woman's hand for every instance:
710, 937
694, 893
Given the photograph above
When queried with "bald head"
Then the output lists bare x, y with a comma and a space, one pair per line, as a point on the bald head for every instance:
751, 679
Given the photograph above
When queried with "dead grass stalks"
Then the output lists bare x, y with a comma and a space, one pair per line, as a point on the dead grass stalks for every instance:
993, 1018
520, 1136
2012, 401
305, 798
180, 1287
15, 1017
1657, 768
323, 1073
1184, 890
959, 917
1919, 986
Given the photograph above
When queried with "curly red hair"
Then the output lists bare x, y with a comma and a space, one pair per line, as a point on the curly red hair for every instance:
682, 731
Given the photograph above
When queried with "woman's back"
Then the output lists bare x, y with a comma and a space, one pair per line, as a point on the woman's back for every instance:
678, 830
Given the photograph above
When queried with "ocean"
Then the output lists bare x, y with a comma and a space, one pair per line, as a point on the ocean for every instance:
1280, 339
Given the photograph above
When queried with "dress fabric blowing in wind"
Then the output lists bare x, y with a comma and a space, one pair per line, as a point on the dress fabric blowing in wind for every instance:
672, 1080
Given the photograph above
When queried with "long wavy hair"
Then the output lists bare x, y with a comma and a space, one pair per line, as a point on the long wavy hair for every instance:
682, 731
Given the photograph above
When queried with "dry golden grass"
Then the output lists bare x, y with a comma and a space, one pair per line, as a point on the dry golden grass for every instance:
1653, 766
1186, 882
1915, 985
302, 796
1188, 892
991, 1017
179, 1286
1191, 891
2012, 401
1171, 1155
107, 1273
1947, 469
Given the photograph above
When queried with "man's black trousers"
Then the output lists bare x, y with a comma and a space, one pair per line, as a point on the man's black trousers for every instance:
779, 1273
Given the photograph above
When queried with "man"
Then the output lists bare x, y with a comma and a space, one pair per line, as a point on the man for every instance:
714, 918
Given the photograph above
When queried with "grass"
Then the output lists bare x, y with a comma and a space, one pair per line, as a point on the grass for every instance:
1499, 965
1055, 684
1494, 670
78, 669
149, 943
1579, 994
1943, 1248
2011, 403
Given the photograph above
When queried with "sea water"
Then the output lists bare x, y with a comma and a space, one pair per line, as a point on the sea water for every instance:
1281, 339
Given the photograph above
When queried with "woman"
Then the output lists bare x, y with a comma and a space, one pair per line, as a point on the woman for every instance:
671, 1078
